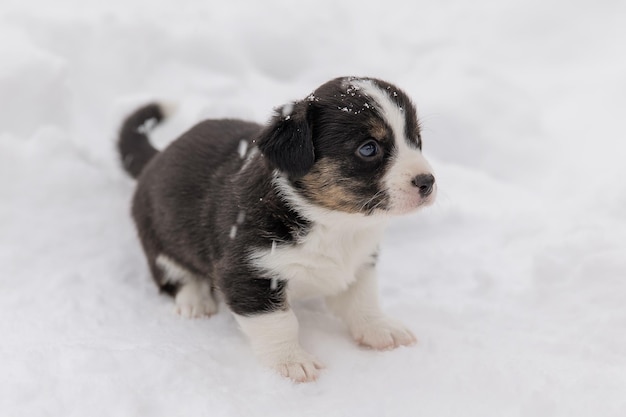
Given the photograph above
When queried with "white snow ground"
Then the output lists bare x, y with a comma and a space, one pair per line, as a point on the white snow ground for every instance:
515, 282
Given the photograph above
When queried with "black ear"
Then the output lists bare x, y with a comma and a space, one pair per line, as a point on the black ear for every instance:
287, 141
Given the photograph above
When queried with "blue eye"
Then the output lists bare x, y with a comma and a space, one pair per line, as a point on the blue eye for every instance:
369, 149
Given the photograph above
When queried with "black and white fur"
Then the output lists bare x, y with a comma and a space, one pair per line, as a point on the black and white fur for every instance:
268, 214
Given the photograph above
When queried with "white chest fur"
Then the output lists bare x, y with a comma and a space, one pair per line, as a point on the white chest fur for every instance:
327, 259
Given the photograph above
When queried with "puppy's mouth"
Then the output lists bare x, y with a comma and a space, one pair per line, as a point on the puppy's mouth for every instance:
405, 202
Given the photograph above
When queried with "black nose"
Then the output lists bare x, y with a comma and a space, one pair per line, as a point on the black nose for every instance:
425, 183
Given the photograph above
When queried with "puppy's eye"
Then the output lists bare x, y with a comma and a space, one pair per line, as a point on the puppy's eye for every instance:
368, 150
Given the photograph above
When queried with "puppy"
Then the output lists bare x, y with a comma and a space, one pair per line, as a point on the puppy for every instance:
268, 214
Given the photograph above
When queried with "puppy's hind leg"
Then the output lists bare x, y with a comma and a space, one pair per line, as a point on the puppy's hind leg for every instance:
193, 295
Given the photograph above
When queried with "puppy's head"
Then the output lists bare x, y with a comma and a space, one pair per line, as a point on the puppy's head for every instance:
354, 145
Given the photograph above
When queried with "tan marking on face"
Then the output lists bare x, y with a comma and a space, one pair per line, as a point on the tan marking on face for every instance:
324, 186
378, 130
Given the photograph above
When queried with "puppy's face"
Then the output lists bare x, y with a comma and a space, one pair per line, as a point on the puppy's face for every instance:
354, 145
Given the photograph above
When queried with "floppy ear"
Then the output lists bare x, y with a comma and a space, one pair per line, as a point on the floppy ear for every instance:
287, 141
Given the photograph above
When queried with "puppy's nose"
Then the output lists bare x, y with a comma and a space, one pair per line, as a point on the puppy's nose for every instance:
425, 184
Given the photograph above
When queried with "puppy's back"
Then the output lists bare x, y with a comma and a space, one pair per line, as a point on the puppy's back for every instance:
180, 189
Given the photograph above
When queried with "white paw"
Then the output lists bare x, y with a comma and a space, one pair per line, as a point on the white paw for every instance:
299, 366
194, 299
383, 334
274, 339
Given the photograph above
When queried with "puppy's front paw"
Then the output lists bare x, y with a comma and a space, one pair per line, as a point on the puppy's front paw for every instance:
299, 366
383, 334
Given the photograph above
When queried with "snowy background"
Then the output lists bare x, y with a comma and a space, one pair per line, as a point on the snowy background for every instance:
514, 282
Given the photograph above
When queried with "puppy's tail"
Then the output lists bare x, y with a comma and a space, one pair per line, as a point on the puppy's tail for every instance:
133, 144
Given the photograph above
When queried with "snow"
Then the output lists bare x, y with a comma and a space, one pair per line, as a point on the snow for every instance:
287, 110
242, 149
514, 282
241, 216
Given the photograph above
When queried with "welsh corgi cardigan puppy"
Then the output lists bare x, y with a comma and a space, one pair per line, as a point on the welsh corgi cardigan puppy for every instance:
268, 214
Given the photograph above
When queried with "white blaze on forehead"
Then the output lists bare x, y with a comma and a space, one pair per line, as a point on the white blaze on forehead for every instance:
392, 113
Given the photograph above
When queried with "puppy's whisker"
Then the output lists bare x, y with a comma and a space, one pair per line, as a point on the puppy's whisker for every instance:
378, 194
376, 206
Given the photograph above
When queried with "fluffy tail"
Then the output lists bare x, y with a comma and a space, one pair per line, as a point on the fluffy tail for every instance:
133, 143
